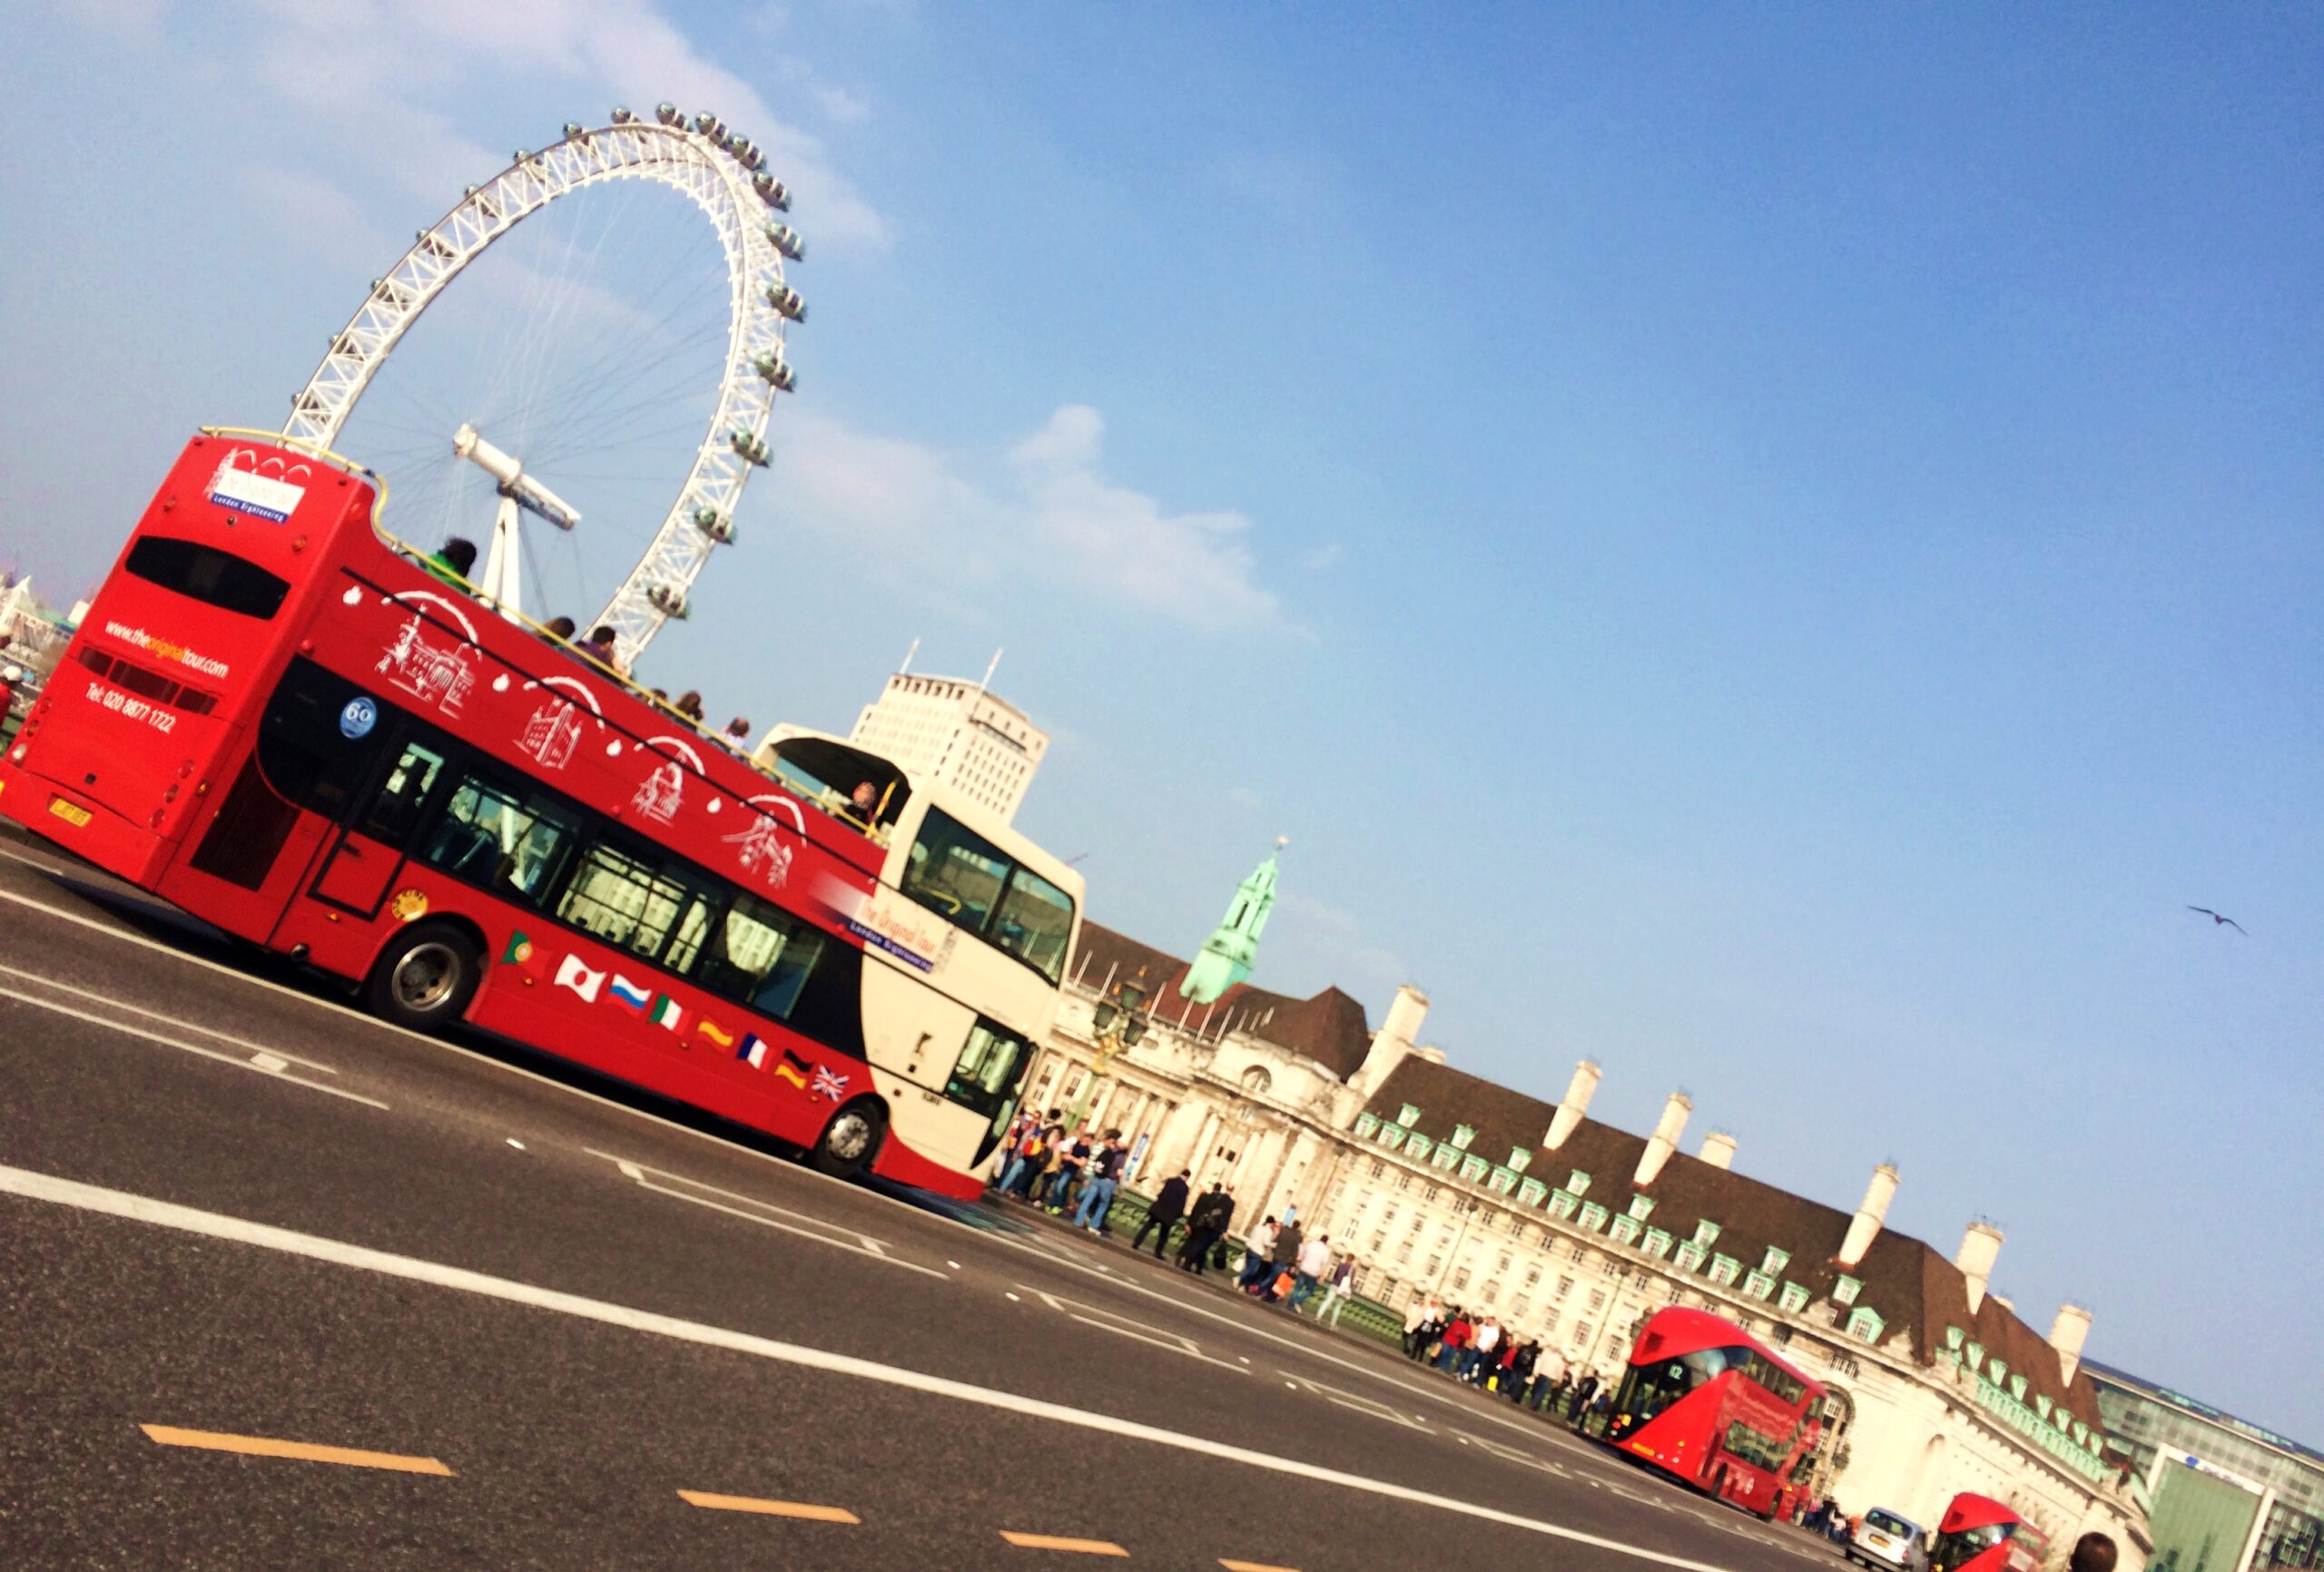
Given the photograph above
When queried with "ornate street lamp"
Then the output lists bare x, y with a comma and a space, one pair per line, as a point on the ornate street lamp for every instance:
1119, 1023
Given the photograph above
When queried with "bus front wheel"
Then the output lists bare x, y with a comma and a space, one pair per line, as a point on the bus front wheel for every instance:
425, 977
851, 1140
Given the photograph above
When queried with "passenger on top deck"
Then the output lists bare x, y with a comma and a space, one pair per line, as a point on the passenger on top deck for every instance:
452, 561
736, 738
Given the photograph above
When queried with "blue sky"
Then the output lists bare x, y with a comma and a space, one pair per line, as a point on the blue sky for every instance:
1774, 550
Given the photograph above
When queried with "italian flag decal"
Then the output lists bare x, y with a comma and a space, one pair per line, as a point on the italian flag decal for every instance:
665, 1013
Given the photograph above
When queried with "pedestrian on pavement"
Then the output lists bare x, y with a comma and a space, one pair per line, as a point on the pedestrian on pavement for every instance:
1258, 1253
1584, 1390
1454, 1340
1105, 1174
1423, 1313
1517, 1370
1168, 1208
1072, 1158
1484, 1353
1336, 1289
1284, 1257
1312, 1265
1213, 1214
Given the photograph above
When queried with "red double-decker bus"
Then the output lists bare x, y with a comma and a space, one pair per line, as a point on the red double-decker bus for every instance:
278, 718
1979, 1534
1706, 1401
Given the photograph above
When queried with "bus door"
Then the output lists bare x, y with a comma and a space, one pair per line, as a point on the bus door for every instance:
360, 866
315, 747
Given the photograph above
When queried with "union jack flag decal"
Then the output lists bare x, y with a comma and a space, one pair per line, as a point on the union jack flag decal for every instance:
826, 1084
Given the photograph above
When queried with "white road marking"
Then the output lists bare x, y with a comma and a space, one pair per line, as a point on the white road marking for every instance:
254, 1060
111, 1003
168, 1215
516, 1142
753, 1210
1122, 1326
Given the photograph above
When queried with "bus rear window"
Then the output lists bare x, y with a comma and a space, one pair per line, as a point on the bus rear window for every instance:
205, 573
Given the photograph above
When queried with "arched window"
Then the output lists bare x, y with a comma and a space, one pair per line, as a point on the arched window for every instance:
1255, 1080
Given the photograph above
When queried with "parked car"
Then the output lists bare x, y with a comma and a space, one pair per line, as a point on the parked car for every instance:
1889, 1542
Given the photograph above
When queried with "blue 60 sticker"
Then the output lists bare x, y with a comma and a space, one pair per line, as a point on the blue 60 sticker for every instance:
356, 720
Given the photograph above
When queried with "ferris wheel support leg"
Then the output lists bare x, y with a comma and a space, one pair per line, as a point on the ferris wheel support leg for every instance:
502, 584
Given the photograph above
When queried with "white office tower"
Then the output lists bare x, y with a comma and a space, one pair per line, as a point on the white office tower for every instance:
950, 730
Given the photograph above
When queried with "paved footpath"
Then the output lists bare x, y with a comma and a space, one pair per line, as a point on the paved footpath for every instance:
284, 1286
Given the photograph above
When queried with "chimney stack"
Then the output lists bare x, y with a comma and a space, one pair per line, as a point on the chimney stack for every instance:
1718, 1149
1665, 1139
1864, 1226
1979, 1247
2067, 1334
1392, 1041
1575, 1104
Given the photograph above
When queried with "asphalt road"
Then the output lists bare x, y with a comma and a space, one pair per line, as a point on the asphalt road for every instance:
546, 1323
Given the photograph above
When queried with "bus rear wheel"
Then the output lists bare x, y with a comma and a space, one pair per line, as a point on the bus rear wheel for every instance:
425, 977
851, 1140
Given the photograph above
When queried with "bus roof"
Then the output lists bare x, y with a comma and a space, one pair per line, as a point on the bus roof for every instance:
1970, 1510
1681, 1330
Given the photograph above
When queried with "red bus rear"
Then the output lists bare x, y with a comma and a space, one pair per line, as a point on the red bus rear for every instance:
278, 721
1979, 1534
1705, 1401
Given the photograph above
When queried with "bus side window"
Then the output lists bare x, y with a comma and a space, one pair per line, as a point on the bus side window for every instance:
622, 899
762, 957
487, 835
686, 942
397, 805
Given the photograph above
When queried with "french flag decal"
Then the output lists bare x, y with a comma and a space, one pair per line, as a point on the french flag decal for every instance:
627, 993
752, 1048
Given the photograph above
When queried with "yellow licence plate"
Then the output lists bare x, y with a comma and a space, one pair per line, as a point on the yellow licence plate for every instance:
71, 813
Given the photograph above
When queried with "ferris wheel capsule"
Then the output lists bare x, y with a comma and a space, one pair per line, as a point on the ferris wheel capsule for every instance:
747, 153
622, 114
788, 240
776, 372
575, 131
785, 301
669, 114
716, 524
752, 448
774, 192
669, 602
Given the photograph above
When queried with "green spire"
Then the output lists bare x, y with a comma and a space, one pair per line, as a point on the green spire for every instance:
1227, 954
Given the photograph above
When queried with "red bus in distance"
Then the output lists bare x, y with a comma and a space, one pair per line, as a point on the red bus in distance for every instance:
1979, 1534
1705, 1402
275, 718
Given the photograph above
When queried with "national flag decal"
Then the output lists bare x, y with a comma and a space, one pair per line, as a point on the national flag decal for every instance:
827, 1084
627, 993
665, 1013
706, 1028
752, 1048
522, 954
572, 974
793, 1069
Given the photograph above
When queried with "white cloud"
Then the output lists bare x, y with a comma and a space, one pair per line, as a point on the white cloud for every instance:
370, 70
1045, 508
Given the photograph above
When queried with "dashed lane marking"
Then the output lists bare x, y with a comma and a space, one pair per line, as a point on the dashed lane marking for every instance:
305, 1451
768, 1509
1057, 1542
256, 1060
753, 1210
103, 1201
1252, 1567
164, 1016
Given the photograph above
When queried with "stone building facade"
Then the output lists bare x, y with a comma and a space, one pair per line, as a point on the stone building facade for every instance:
1573, 1231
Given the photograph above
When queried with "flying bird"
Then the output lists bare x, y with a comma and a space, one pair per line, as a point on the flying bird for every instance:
2217, 918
